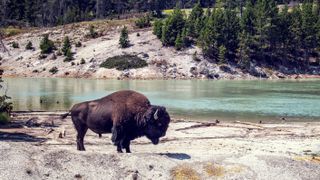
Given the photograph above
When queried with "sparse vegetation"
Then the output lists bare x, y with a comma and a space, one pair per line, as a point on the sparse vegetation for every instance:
46, 45
29, 46
15, 45
54, 70
66, 46
143, 22
184, 172
124, 62
5, 105
124, 38
82, 61
92, 32
69, 56
78, 44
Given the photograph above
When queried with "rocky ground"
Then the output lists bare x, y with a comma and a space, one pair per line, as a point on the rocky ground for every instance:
164, 62
40, 146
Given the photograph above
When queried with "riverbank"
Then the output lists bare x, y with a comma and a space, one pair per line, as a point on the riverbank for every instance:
193, 150
163, 62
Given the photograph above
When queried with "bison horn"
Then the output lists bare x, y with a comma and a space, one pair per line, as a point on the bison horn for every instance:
155, 116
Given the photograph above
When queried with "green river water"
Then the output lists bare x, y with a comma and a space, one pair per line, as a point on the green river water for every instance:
188, 99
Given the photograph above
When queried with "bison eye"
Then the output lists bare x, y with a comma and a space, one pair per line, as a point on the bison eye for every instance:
159, 124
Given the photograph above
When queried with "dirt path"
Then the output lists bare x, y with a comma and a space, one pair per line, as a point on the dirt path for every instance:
191, 150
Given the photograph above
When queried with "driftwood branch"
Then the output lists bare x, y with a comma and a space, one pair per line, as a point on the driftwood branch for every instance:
197, 126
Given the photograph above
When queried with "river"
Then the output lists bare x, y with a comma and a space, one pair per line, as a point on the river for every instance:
189, 99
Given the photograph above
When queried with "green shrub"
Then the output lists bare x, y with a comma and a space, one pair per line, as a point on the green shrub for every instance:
78, 44
54, 70
124, 62
82, 61
92, 33
4, 118
69, 56
66, 46
29, 46
46, 45
124, 38
157, 29
143, 22
15, 45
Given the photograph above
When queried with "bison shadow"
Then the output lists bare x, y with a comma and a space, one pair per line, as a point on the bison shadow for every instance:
179, 156
19, 137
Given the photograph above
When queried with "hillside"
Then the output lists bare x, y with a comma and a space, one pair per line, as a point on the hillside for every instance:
163, 62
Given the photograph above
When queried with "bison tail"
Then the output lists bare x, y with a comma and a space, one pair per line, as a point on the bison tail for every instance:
63, 116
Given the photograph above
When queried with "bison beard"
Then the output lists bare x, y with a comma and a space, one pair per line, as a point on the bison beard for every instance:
126, 114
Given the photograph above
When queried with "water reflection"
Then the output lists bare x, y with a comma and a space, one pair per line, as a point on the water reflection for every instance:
198, 99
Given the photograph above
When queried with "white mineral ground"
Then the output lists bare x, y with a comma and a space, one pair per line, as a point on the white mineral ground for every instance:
190, 150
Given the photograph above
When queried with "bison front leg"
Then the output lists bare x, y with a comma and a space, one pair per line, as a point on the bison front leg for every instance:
126, 145
117, 137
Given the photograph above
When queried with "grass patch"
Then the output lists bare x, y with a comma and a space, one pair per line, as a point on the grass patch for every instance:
184, 172
214, 170
4, 118
11, 31
124, 62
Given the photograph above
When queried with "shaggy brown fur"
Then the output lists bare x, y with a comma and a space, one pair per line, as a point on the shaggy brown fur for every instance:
125, 114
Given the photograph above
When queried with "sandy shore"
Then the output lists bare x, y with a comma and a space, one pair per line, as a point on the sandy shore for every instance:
191, 150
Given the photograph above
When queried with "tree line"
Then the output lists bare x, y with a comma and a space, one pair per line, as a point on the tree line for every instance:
261, 32
57, 12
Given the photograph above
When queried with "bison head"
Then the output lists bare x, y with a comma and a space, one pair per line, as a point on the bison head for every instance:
156, 121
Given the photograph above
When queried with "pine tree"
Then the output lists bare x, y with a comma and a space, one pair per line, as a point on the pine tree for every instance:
247, 35
283, 30
157, 29
222, 54
295, 32
308, 27
46, 45
172, 27
66, 46
230, 32
195, 21
178, 43
124, 38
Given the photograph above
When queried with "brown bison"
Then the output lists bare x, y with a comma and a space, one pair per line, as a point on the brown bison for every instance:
126, 114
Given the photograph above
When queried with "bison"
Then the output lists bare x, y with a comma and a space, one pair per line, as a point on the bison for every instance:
126, 114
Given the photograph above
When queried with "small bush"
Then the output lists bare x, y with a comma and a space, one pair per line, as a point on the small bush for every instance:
29, 46
78, 44
59, 53
138, 34
124, 38
15, 45
46, 45
73, 63
69, 56
124, 62
82, 61
92, 33
66, 46
53, 70
143, 22
4, 118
